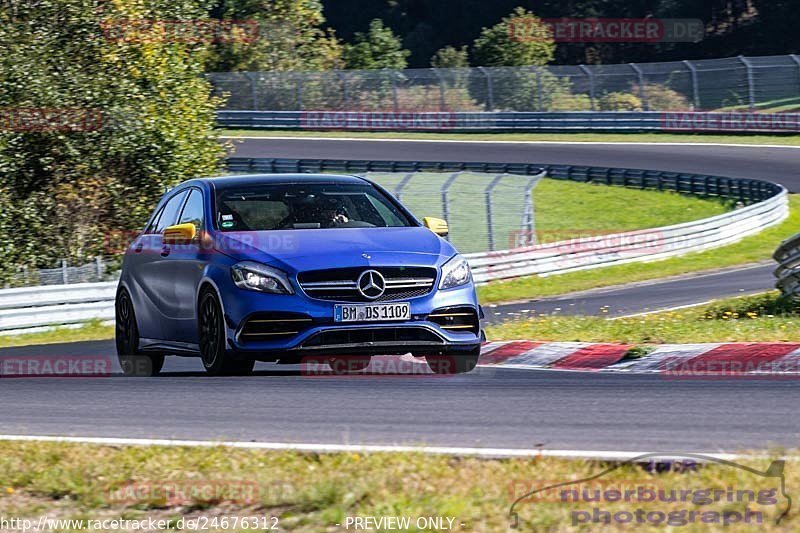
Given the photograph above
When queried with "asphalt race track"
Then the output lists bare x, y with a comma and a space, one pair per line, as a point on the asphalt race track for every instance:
487, 408
490, 407
778, 164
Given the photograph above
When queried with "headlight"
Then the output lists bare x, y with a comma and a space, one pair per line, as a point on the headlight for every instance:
455, 273
257, 277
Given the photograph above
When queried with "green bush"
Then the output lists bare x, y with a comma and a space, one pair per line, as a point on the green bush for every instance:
570, 102
68, 188
619, 102
662, 98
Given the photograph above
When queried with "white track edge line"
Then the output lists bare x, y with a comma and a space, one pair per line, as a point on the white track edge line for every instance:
365, 448
466, 141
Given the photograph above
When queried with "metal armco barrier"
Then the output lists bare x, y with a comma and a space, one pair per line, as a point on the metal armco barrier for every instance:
788, 272
31, 307
763, 204
610, 121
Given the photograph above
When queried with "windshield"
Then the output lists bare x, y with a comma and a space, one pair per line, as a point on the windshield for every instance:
306, 206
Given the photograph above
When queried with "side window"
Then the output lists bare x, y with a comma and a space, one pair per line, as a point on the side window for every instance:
170, 213
154, 224
193, 210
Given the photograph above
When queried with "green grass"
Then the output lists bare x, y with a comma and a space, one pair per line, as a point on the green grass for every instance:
313, 492
781, 105
92, 331
556, 219
784, 140
762, 318
751, 249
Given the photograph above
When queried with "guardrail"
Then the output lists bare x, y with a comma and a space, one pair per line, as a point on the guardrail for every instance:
609, 121
32, 307
788, 272
763, 204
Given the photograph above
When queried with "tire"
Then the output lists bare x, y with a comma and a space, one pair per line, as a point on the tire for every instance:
133, 362
453, 364
211, 327
348, 365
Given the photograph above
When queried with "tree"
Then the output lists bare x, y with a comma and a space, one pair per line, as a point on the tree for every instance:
520, 39
378, 49
100, 113
290, 37
451, 57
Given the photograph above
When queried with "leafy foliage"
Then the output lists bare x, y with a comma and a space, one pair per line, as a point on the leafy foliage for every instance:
451, 57
67, 187
377, 49
499, 46
290, 37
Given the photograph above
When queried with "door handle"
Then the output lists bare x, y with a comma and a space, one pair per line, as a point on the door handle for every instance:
165, 251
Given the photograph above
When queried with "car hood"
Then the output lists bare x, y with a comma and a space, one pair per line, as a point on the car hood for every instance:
302, 250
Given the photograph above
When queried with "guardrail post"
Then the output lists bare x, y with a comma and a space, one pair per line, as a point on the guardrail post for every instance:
751, 82
64, 272
444, 190
489, 213
398, 189
489, 88
442, 100
695, 84
589, 74
642, 93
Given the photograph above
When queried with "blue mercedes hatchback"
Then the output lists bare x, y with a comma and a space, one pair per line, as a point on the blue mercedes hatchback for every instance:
291, 268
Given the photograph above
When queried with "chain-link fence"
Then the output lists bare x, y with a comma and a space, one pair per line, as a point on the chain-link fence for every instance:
742, 83
101, 269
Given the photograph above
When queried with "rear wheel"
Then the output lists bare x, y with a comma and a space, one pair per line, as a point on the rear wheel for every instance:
453, 364
212, 340
348, 365
132, 361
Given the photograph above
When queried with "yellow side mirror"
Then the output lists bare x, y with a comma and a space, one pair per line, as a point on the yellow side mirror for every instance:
436, 225
180, 234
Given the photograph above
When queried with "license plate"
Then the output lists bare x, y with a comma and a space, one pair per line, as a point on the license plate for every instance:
372, 312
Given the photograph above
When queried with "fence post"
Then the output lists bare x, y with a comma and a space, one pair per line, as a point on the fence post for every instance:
299, 88
751, 82
253, 77
529, 216
489, 88
796, 59
445, 206
398, 190
540, 95
489, 214
64, 272
642, 93
589, 74
393, 75
98, 261
442, 101
695, 84
345, 93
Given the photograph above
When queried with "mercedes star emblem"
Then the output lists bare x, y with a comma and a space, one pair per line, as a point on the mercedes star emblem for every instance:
371, 284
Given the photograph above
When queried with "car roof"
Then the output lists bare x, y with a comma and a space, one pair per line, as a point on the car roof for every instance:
232, 181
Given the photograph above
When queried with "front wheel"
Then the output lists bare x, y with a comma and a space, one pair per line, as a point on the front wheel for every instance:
453, 364
212, 340
133, 362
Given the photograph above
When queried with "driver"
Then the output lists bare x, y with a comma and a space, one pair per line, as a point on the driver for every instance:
333, 212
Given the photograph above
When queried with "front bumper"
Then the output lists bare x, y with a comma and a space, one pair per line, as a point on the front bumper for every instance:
322, 336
